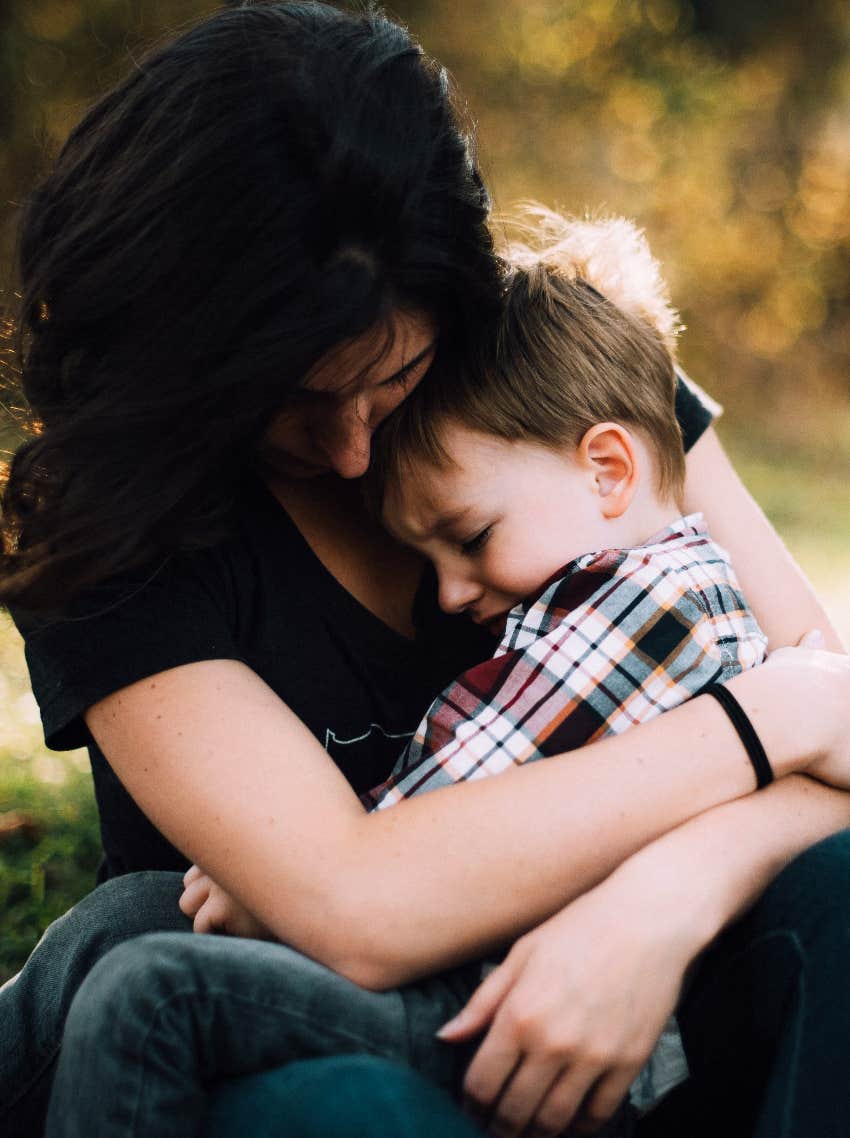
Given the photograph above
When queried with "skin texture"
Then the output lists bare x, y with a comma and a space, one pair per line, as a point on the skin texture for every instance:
329, 421
291, 842
502, 517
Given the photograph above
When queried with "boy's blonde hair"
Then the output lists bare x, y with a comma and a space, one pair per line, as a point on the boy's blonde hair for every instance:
585, 335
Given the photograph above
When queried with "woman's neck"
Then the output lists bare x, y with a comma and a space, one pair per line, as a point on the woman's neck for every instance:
331, 517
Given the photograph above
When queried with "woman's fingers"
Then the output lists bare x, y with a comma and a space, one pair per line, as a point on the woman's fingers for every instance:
562, 1104
604, 1099
481, 1006
541, 1093
491, 1068
521, 1098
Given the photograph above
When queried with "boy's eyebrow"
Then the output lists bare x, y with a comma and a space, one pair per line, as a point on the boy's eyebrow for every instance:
442, 523
449, 520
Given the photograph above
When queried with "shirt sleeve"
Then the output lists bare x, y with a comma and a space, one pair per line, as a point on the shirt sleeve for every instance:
121, 632
624, 655
695, 409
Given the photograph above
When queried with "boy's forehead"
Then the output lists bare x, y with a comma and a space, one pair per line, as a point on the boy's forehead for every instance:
424, 501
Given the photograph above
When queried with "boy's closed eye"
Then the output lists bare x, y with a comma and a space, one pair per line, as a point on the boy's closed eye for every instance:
476, 543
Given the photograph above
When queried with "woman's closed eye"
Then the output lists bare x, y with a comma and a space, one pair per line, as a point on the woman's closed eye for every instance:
475, 544
412, 371
400, 379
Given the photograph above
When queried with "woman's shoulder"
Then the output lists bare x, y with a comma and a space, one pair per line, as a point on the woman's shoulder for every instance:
695, 409
189, 606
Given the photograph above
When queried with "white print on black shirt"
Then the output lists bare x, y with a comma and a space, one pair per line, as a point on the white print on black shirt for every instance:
375, 739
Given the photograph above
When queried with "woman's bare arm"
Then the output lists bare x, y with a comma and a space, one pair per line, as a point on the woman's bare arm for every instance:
230, 775
233, 778
599, 991
783, 600
575, 1009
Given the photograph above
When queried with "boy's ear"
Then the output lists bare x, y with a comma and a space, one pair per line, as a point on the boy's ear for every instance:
609, 453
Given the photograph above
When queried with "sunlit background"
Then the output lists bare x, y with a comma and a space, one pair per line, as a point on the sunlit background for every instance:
723, 128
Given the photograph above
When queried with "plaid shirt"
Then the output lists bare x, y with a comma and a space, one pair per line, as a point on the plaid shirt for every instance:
616, 638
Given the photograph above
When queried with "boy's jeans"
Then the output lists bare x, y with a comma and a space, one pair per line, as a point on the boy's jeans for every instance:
163, 1015
35, 1004
766, 1021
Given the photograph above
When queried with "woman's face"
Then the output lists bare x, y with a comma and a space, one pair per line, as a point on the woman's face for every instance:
328, 423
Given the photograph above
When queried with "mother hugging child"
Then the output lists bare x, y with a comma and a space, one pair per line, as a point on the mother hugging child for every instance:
539, 466
542, 477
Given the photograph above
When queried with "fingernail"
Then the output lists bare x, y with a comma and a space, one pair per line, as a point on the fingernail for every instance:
449, 1026
817, 638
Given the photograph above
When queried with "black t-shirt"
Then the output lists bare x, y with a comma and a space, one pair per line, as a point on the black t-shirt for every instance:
264, 598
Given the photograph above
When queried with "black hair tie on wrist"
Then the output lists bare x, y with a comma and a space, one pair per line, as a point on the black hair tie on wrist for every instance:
746, 732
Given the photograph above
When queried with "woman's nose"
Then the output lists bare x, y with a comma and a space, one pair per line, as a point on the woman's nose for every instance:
346, 440
456, 593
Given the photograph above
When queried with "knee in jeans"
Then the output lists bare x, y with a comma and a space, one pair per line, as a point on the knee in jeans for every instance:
808, 898
127, 985
118, 909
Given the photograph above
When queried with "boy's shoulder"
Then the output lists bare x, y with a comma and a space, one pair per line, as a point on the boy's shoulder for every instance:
675, 595
679, 567
683, 549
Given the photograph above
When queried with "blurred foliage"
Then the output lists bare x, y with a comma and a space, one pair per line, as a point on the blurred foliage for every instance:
723, 128
49, 836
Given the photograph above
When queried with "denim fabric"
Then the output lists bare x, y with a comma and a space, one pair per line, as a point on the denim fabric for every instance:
163, 1015
766, 1024
766, 1021
354, 1096
33, 1005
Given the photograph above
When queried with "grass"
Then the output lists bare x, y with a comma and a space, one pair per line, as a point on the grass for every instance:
49, 837
49, 842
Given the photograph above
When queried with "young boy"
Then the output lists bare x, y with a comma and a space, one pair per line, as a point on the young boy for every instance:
544, 484
543, 480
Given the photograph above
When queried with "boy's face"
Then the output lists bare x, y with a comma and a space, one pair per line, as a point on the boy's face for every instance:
499, 523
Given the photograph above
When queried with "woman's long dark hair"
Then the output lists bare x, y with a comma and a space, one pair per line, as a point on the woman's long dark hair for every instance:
266, 186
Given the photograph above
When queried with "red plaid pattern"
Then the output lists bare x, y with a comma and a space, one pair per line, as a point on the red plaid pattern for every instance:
615, 639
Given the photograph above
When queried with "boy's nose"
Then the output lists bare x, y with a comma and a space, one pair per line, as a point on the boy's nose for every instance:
456, 594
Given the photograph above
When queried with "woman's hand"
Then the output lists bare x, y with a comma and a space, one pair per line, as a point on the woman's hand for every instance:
818, 684
574, 1011
214, 910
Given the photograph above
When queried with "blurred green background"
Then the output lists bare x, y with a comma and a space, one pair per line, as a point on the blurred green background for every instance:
724, 129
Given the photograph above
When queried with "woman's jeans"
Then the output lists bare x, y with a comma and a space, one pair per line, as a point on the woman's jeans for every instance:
766, 1024
353, 1096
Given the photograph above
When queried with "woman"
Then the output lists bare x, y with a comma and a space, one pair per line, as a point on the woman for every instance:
245, 256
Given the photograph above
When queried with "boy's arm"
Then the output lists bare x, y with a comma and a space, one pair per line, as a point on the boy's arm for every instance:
213, 909
636, 645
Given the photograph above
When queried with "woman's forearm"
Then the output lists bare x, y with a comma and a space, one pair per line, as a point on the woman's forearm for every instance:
448, 875
488, 860
708, 872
